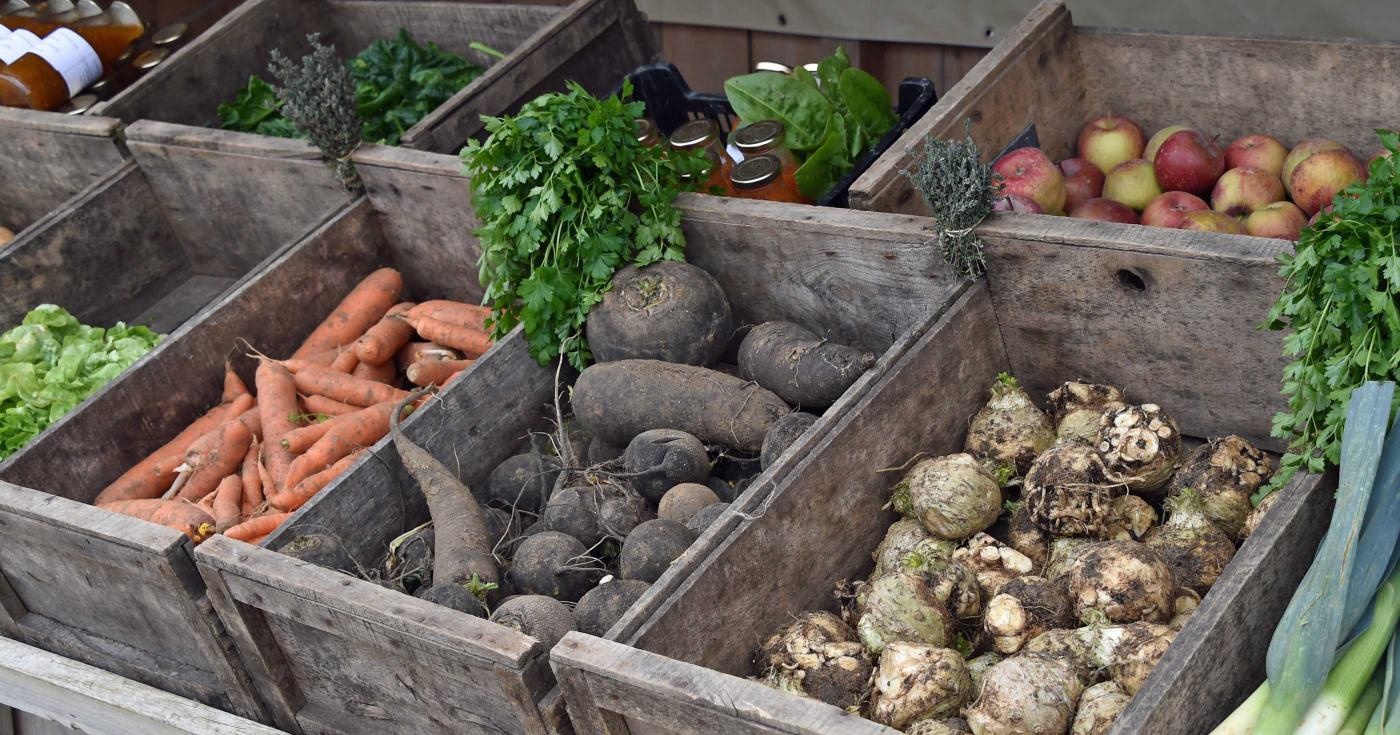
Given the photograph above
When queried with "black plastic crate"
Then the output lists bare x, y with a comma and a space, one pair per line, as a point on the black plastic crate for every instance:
671, 103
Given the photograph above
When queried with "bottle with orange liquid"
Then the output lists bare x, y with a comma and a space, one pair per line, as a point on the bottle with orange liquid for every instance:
761, 177
769, 136
68, 59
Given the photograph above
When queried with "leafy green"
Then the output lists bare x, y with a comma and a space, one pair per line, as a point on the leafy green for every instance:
960, 190
50, 363
1340, 301
566, 196
800, 107
256, 110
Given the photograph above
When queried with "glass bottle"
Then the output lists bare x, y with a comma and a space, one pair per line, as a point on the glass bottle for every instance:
703, 135
69, 59
768, 136
14, 44
761, 177
647, 132
714, 181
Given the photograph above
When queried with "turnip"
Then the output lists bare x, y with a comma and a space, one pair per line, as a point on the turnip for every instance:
1127, 581
978, 668
542, 618
1029, 693
918, 682
1185, 603
1024, 608
1225, 473
817, 656
993, 562
954, 497
554, 564
1099, 707
706, 516
903, 606
605, 604
683, 501
1140, 446
522, 482
1078, 646
802, 367
1068, 493
1196, 550
1126, 652
1131, 519
1075, 408
1256, 516
576, 509
651, 547
1063, 552
1025, 536
1140, 646
903, 537
1009, 430
782, 434
452, 596
661, 459
666, 311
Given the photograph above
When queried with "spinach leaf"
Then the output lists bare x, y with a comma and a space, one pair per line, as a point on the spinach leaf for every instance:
398, 82
867, 103
827, 164
829, 69
800, 107
256, 109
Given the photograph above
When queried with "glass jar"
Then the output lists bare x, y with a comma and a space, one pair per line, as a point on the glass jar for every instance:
647, 132
761, 177
772, 66
14, 44
768, 136
703, 135
713, 180
69, 59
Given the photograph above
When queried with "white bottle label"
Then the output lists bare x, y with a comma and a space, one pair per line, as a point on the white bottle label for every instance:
15, 45
72, 57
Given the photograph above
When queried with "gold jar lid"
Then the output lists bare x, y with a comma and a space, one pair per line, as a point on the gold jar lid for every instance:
695, 134
102, 83
647, 133
127, 54
78, 105
759, 136
150, 58
756, 172
169, 34
811, 67
772, 66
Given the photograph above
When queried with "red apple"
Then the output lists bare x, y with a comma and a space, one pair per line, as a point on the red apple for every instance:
1169, 209
1257, 151
1303, 150
1030, 173
1318, 178
1083, 181
1319, 215
1110, 140
1282, 220
1132, 183
1105, 210
1211, 221
1243, 190
1016, 203
1155, 142
1188, 161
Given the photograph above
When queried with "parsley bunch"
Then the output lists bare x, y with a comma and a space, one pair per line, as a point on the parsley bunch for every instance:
566, 196
1343, 286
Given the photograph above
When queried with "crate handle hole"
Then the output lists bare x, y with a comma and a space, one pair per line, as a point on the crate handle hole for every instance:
1132, 280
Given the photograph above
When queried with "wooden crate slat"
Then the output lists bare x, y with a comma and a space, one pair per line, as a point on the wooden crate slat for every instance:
47, 158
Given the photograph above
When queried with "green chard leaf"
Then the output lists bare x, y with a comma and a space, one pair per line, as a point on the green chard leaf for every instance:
800, 107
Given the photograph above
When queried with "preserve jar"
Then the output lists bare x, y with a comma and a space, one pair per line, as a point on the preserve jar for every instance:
69, 59
703, 135
647, 132
768, 136
761, 177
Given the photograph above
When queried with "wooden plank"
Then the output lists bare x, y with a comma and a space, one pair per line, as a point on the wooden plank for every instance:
47, 158
91, 700
706, 56
12, 609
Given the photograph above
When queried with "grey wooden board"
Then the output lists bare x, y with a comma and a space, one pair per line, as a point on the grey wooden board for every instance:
182, 302
46, 158
53, 694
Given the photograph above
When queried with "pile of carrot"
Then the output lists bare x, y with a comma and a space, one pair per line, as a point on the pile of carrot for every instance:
247, 464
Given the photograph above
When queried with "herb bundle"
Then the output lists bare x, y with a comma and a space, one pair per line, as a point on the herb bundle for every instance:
1343, 286
960, 191
318, 97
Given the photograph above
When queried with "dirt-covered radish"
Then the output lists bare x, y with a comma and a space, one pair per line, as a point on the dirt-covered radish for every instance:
543, 618
918, 682
605, 604
1009, 430
661, 459
799, 365
651, 547
1075, 408
903, 606
453, 596
816, 655
1141, 447
1099, 707
666, 311
1024, 608
1195, 548
993, 562
1224, 473
577, 511
1067, 491
683, 501
619, 400
953, 497
1027, 693
1063, 552
554, 564
784, 433
1025, 536
705, 517
1126, 581
522, 482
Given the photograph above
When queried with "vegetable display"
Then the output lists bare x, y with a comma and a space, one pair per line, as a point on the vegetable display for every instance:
50, 363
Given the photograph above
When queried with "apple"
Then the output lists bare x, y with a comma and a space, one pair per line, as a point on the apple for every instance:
1155, 142
1110, 140
1243, 190
1188, 161
1319, 215
1257, 151
1169, 209
1318, 178
1083, 181
1016, 203
1030, 173
1212, 221
1105, 210
1301, 151
1133, 183
1283, 220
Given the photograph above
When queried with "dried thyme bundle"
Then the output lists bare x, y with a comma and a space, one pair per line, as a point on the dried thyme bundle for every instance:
318, 96
960, 191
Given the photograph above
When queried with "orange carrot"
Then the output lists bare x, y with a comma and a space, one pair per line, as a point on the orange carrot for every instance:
255, 527
364, 306
435, 372
186, 518
471, 342
228, 503
222, 460
257, 540
277, 402
156, 473
300, 439
210, 440
415, 351
206, 502
345, 362
323, 406
306, 489
251, 478
345, 435
233, 385
452, 312
344, 388
252, 418
378, 345
381, 373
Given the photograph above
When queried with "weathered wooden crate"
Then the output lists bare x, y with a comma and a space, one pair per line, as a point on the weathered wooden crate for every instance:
592, 41
1057, 75
862, 277
47, 158
1174, 322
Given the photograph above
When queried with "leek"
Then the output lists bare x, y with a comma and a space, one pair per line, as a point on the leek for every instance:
1356, 669
1360, 716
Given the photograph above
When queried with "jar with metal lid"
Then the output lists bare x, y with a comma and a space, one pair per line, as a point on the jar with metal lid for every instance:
772, 66
713, 179
768, 136
702, 135
761, 177
647, 132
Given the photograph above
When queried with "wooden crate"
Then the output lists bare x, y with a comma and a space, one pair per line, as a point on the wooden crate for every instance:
47, 158
1058, 75
592, 41
1173, 322
864, 277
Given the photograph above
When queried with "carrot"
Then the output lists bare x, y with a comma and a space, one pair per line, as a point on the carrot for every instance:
300, 439
345, 388
277, 402
345, 435
292, 499
156, 473
228, 503
257, 540
252, 419
233, 385
255, 527
381, 373
207, 443
186, 518
206, 502
251, 477
345, 362
365, 305
222, 460
471, 342
378, 345
452, 312
323, 406
435, 372
415, 351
